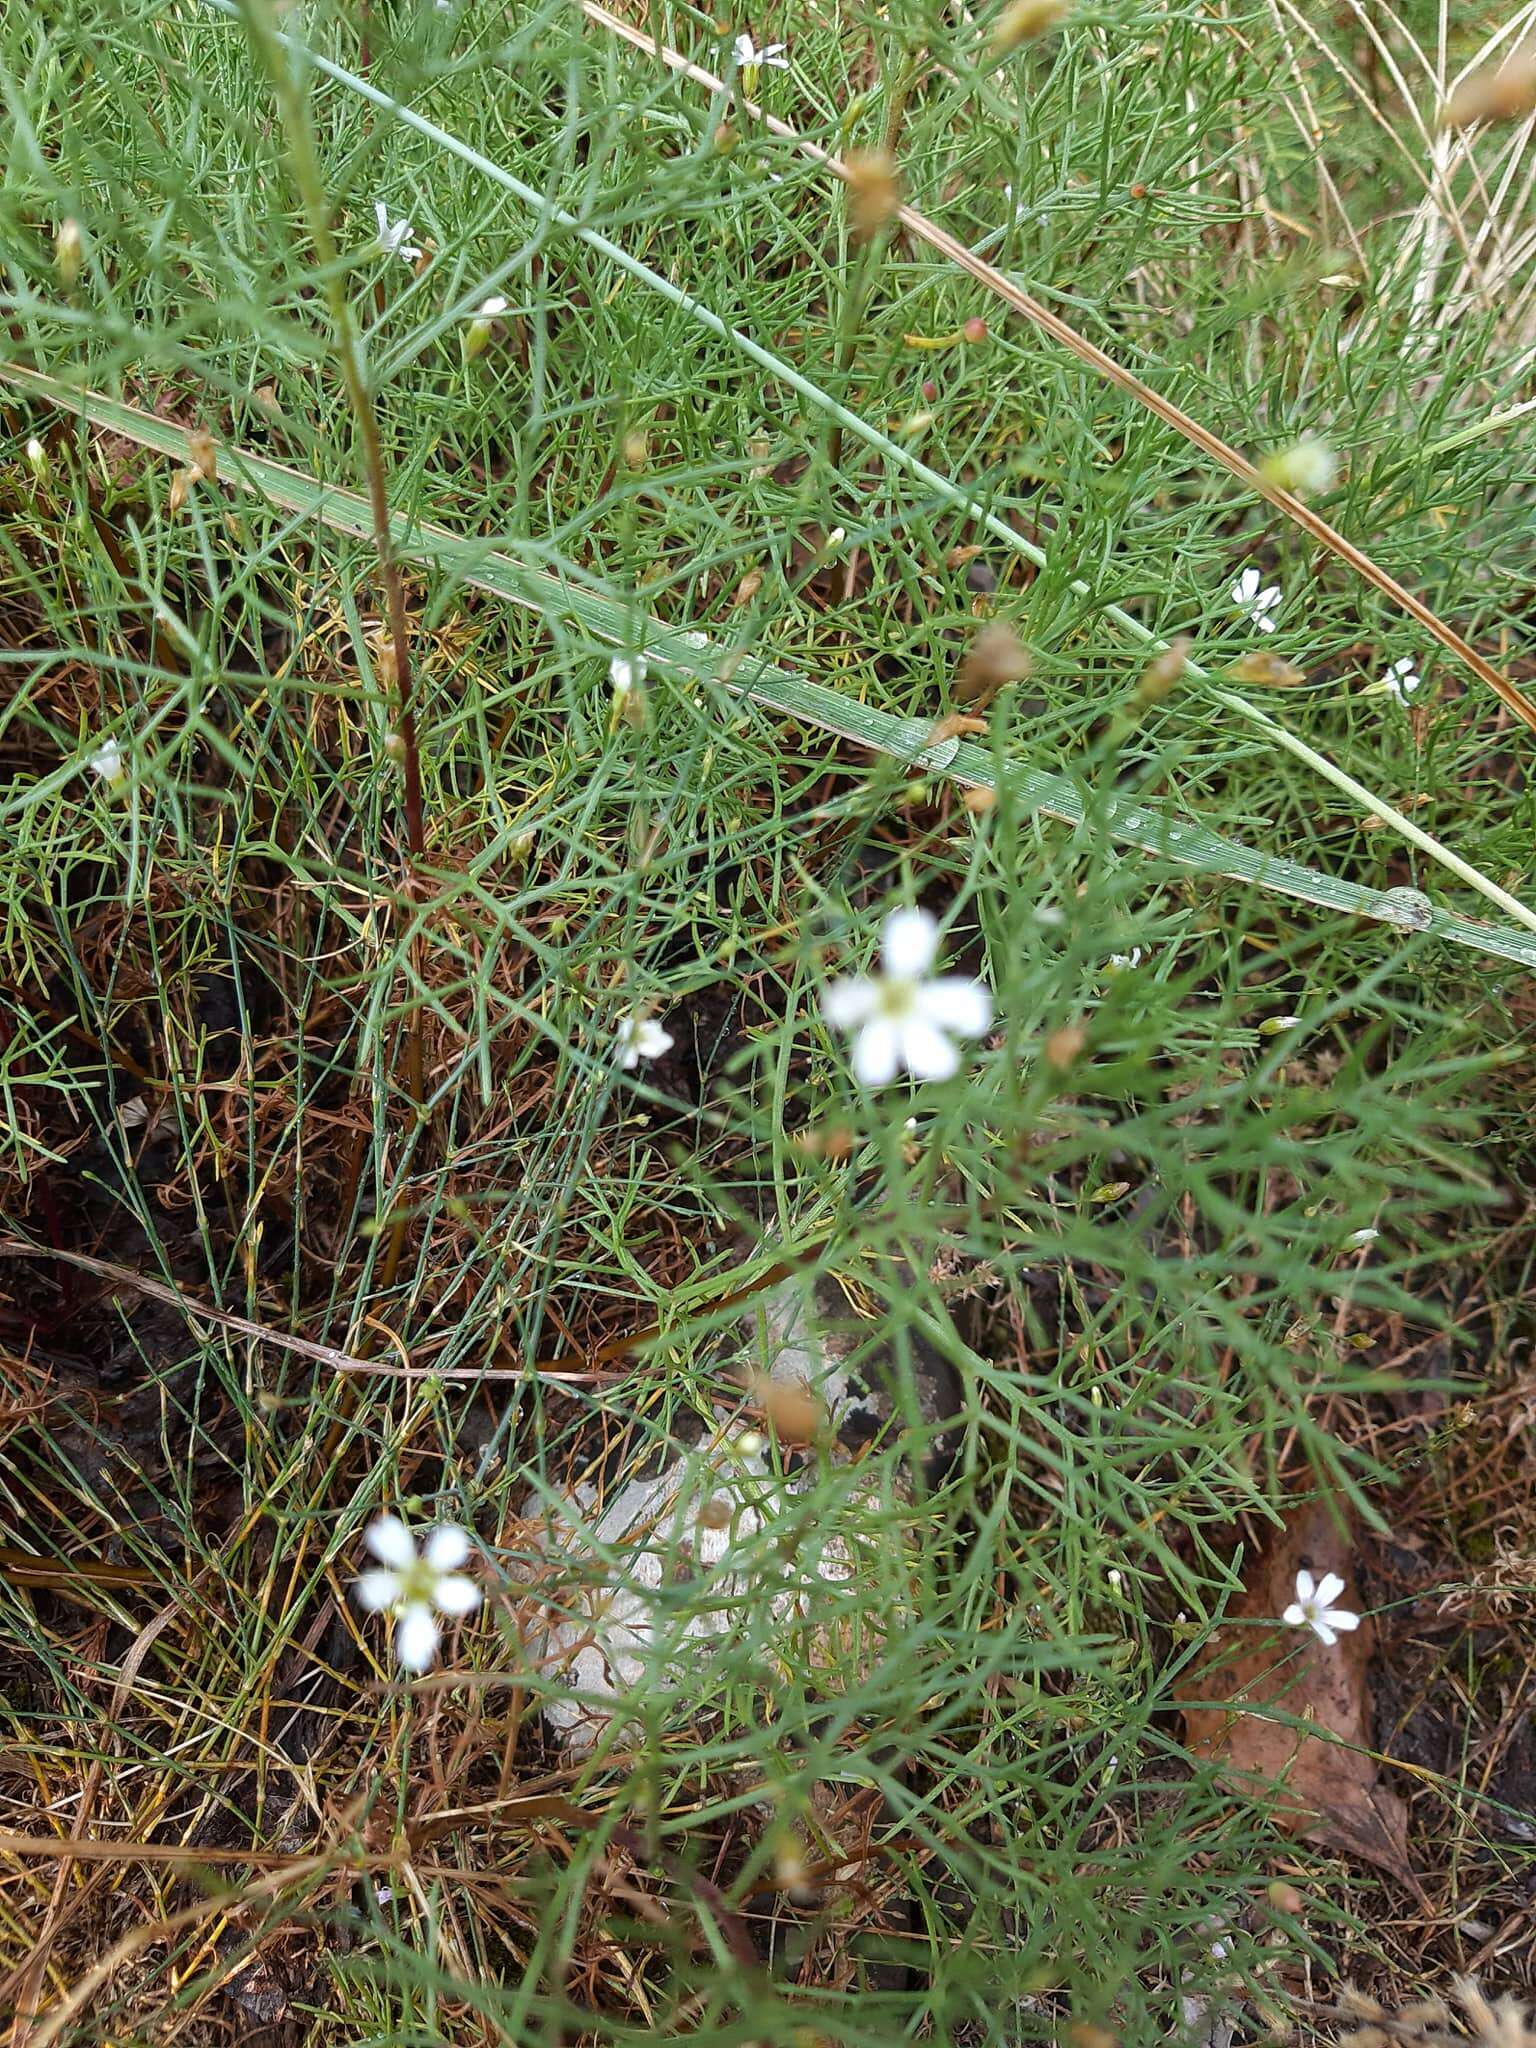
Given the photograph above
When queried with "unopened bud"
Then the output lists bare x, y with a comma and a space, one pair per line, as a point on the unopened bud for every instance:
1022, 20
1285, 1898
1160, 675
637, 449
930, 390
726, 138
68, 252
1270, 670
37, 457
975, 329
394, 748
1306, 469
1273, 1026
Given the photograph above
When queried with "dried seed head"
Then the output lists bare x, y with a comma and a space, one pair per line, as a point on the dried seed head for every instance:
1022, 20
637, 449
979, 801
205, 456
181, 484
1083, 2034
996, 656
1503, 92
726, 138
794, 1414
1064, 1046
955, 725
874, 192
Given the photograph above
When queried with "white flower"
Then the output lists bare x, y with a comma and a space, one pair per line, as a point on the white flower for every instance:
1402, 679
394, 237
478, 334
37, 456
1366, 1236
626, 672
108, 763
411, 1586
1254, 603
750, 58
641, 1038
1122, 963
902, 1020
1312, 1608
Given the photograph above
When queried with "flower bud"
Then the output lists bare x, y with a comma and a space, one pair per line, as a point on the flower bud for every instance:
68, 253
1306, 469
1022, 20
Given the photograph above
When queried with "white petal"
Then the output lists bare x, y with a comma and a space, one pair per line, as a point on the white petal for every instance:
849, 1001
909, 940
1294, 1616
1246, 588
456, 1595
446, 1547
652, 1041
416, 1638
955, 1004
745, 54
1340, 1617
493, 307
1264, 622
875, 1053
1329, 1587
1322, 1631
1306, 1586
390, 1541
381, 215
925, 1052
378, 1590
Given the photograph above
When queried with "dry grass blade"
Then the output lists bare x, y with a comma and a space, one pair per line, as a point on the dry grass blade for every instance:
947, 245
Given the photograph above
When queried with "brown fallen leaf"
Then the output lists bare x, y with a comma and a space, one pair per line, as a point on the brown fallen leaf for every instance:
1330, 1788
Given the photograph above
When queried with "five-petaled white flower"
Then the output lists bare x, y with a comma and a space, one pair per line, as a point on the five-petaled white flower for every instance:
1254, 603
641, 1038
750, 58
108, 763
1402, 679
394, 236
903, 1020
1313, 1608
412, 1585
